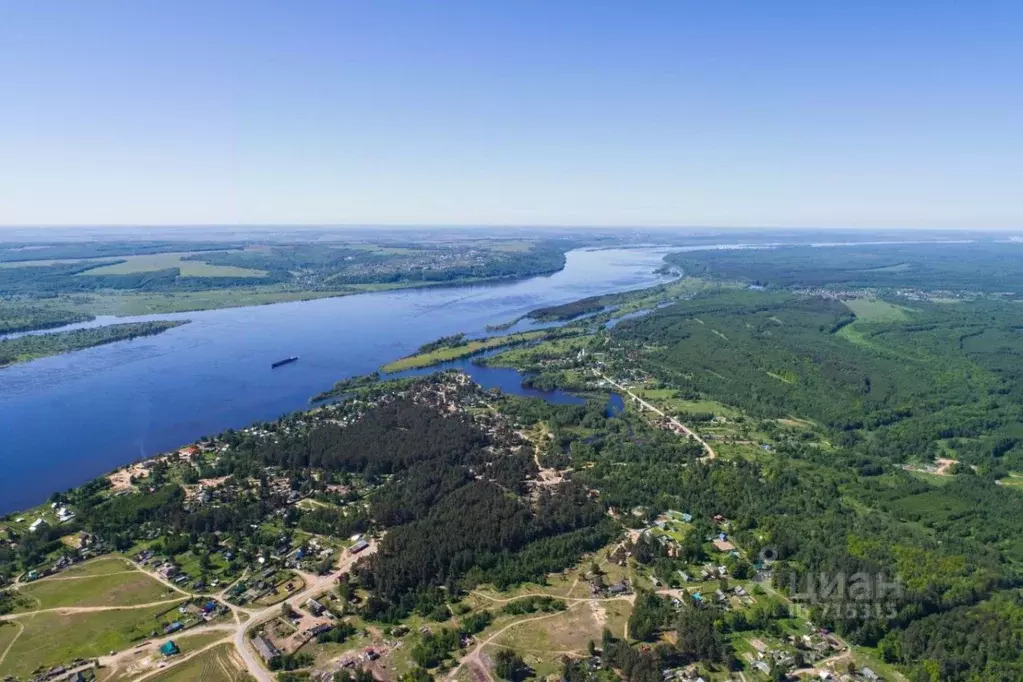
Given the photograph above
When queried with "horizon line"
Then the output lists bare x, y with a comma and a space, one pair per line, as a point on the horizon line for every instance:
514, 226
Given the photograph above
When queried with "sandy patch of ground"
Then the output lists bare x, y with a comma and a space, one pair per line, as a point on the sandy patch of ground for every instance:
121, 479
599, 613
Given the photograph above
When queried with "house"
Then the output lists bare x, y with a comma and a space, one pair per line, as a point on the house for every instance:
187, 453
315, 607
683, 576
265, 649
320, 629
723, 545
36, 525
169, 648
762, 667
870, 675
358, 547
687, 518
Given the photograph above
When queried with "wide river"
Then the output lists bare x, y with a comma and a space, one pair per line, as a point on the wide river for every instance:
68, 418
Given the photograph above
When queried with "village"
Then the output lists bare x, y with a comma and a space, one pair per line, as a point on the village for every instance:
277, 582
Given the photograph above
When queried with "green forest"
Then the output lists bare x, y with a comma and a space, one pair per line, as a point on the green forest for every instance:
989, 267
23, 318
940, 381
51, 270
33, 346
865, 434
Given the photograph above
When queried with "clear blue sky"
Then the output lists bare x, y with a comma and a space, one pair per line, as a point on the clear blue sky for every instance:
818, 113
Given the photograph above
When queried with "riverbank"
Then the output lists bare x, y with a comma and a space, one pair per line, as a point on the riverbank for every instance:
16, 319
460, 350
131, 304
35, 346
134, 400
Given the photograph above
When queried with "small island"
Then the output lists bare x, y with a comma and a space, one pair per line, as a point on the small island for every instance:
456, 347
35, 346
15, 318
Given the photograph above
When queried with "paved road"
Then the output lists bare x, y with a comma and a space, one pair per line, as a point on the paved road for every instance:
682, 427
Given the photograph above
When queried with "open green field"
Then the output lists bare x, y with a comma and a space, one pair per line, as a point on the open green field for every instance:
219, 664
460, 351
44, 263
52, 638
933, 479
99, 566
665, 399
535, 353
8, 632
1013, 480
872, 310
193, 640
853, 334
145, 659
114, 589
568, 630
163, 261
542, 639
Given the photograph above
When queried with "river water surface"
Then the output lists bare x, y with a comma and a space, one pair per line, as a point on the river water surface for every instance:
68, 418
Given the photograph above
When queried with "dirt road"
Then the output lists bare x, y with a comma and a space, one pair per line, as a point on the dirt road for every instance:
682, 427
122, 658
473, 659
479, 667
236, 632
315, 585
92, 609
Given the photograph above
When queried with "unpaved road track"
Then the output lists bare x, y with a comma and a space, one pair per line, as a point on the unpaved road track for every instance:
682, 427
236, 632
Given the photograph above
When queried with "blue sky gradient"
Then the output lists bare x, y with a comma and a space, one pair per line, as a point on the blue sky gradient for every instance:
816, 113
